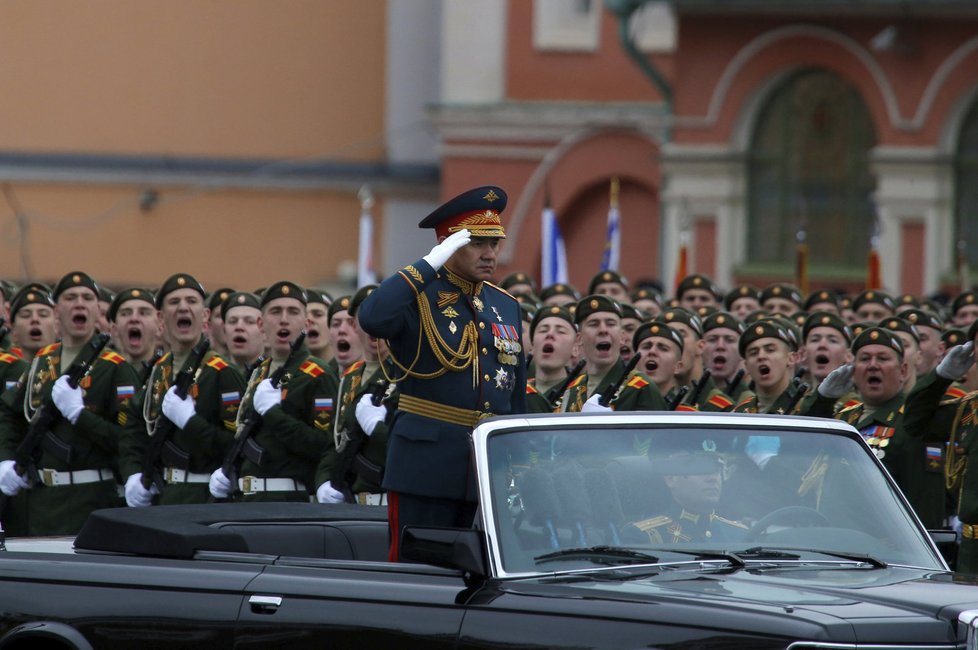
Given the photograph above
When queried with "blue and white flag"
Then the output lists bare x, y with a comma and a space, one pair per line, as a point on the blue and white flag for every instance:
612, 244
553, 256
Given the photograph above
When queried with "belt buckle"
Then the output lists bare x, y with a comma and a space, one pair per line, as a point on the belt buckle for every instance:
47, 477
168, 475
246, 484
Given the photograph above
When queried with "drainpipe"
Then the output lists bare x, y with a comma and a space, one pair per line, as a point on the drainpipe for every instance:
623, 10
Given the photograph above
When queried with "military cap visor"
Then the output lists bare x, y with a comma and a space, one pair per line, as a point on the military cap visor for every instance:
743, 291
142, 295
318, 296
176, 282
896, 324
786, 291
873, 296
283, 289
559, 289
476, 210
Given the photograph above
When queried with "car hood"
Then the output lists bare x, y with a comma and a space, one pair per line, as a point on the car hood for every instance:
837, 603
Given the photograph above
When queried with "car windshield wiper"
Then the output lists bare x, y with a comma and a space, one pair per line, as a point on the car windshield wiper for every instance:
767, 553
732, 558
610, 555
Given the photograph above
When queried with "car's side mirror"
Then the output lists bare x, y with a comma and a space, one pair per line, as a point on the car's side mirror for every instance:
946, 542
452, 548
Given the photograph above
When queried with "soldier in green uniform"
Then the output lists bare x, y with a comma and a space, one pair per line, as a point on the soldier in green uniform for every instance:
781, 298
721, 356
697, 290
78, 474
631, 318
135, 326
826, 339
343, 335
742, 300
964, 309
33, 327
317, 330
554, 336
769, 358
295, 416
609, 283
872, 306
661, 349
215, 320
356, 454
559, 295
929, 327
242, 331
204, 420
648, 301
703, 395
907, 333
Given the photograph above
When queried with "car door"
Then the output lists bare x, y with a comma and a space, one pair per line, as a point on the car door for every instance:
309, 603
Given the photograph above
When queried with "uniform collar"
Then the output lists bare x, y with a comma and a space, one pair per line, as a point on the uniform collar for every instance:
469, 288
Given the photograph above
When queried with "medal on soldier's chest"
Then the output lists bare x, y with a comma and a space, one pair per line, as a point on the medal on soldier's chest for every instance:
504, 379
498, 315
477, 303
452, 327
506, 341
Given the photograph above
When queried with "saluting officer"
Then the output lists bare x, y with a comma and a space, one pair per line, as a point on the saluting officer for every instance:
80, 476
203, 421
456, 341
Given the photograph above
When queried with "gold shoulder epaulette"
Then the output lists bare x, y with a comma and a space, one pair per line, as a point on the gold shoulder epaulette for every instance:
654, 522
730, 522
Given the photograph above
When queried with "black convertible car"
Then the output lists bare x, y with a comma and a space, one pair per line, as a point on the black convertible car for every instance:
596, 531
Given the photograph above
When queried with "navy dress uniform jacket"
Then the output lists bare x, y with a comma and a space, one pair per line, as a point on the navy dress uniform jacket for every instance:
460, 345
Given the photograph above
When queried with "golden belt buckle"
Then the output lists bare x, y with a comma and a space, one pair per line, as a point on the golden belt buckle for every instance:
246, 484
968, 530
47, 477
168, 475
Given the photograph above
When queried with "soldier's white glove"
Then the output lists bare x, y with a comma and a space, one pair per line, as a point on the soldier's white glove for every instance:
368, 415
592, 406
837, 383
326, 494
441, 252
69, 401
219, 485
177, 410
10, 481
956, 362
266, 396
136, 495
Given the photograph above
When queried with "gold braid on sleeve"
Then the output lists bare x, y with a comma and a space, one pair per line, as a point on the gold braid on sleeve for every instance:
953, 465
454, 359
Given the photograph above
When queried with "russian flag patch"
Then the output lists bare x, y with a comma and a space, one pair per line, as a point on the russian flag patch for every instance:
125, 392
323, 404
230, 398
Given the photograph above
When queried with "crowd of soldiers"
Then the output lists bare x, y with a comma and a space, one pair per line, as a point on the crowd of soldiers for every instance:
179, 395
279, 395
900, 370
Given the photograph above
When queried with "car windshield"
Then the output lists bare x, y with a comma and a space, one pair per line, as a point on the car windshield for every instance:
567, 498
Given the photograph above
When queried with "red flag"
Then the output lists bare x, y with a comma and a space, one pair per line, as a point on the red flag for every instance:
682, 263
801, 263
873, 276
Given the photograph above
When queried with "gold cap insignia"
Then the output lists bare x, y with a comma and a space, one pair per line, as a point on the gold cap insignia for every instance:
912, 318
30, 296
697, 282
76, 279
759, 329
744, 291
607, 277
826, 320
869, 295
285, 290
555, 310
491, 196
970, 298
776, 291
560, 287
721, 320
241, 299
345, 303
181, 281
135, 293
655, 329
669, 315
594, 304
874, 335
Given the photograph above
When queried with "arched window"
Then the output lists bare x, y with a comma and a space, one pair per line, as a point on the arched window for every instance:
966, 184
808, 168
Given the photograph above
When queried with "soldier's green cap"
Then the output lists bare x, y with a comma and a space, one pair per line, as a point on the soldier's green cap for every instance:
240, 299
756, 315
105, 294
845, 302
922, 318
559, 289
529, 299
826, 319
908, 299
722, 320
552, 311
704, 311
697, 281
687, 318
519, 277
646, 293
340, 304
873, 296
318, 296
860, 327
678, 453
791, 326
283, 289
798, 318
824, 296
71, 280
124, 296
738, 292
9, 288
897, 324
179, 281
964, 299
34, 293
954, 337
605, 277
781, 290
878, 336
629, 310
218, 296
656, 328
527, 310
765, 329
358, 298
593, 304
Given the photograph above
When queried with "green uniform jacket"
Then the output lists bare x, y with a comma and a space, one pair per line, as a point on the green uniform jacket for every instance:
636, 393
217, 392
781, 406
710, 399
93, 440
883, 432
294, 434
373, 448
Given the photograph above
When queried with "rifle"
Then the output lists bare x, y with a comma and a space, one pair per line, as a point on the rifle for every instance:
677, 398
47, 414
698, 387
352, 454
558, 394
147, 366
800, 389
164, 429
243, 438
609, 392
249, 368
735, 382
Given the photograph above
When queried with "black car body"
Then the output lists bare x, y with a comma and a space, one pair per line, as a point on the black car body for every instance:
555, 560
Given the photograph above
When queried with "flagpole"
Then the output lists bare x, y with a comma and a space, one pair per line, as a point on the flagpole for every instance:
612, 247
873, 271
365, 266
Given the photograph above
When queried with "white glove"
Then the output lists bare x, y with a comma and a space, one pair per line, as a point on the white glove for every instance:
368, 415
326, 494
219, 485
136, 495
69, 401
956, 362
10, 481
178, 411
266, 396
592, 406
837, 383
441, 252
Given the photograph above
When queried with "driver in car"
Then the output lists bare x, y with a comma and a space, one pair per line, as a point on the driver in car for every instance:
691, 469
